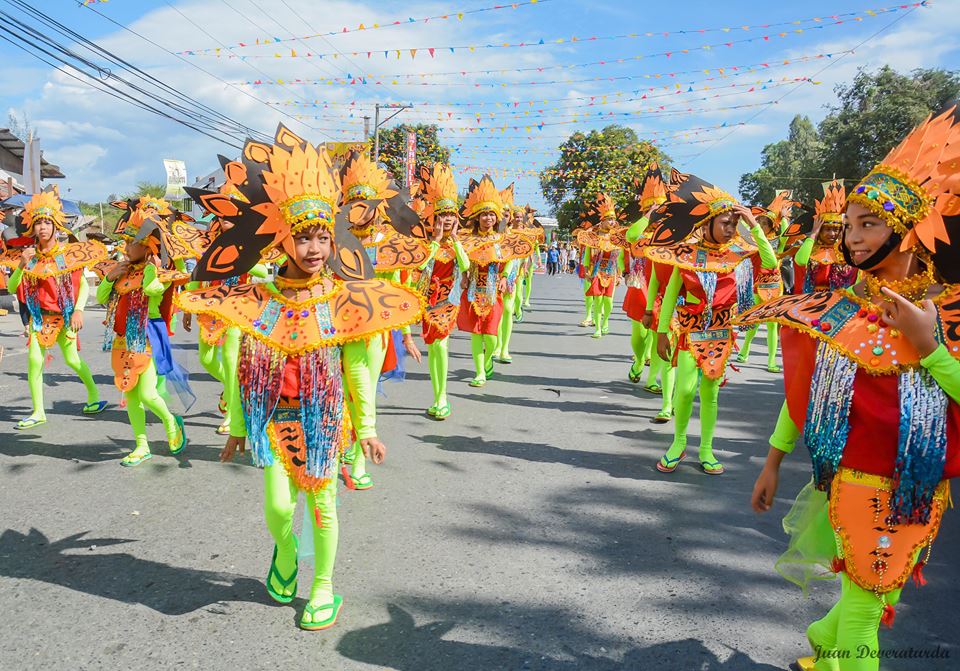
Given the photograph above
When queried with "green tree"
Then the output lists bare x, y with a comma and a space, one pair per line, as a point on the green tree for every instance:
393, 147
145, 188
875, 112
607, 160
788, 164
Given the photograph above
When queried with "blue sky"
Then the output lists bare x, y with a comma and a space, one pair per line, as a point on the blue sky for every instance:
106, 147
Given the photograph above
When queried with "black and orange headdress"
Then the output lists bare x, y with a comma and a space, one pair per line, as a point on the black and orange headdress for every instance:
915, 189
774, 211
600, 209
439, 192
289, 186
161, 228
691, 202
363, 181
653, 190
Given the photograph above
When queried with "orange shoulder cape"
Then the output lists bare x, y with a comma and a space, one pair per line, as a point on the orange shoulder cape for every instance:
68, 258
694, 256
497, 249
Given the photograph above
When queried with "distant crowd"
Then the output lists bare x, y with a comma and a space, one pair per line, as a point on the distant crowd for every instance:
562, 258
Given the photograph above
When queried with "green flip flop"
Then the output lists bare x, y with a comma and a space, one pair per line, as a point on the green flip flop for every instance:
477, 382
28, 423
443, 412
178, 448
662, 417
489, 371
94, 408
654, 388
432, 410
505, 359
134, 459
365, 481
283, 582
333, 607
632, 376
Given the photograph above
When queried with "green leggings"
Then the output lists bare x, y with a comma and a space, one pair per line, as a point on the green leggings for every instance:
643, 342
588, 303
146, 395
602, 307
506, 324
482, 347
376, 353
850, 628
688, 379
773, 339
36, 360
438, 357
279, 504
221, 362
527, 286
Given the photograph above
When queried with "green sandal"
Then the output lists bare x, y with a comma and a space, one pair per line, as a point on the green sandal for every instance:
662, 417
489, 371
670, 465
505, 359
365, 481
284, 583
182, 442
334, 607
432, 410
632, 376
774, 369
443, 412
654, 388
135, 459
94, 408
28, 423
711, 467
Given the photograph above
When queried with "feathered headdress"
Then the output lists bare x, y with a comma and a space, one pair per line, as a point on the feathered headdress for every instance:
439, 191
289, 186
600, 209
653, 190
915, 189
830, 209
44, 206
161, 228
482, 196
691, 202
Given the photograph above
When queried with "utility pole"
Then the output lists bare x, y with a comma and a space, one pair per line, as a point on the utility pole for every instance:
377, 123
366, 128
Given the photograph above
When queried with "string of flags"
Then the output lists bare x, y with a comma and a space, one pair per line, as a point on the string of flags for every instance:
849, 19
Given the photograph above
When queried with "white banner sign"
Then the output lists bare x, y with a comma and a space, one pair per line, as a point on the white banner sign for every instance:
176, 179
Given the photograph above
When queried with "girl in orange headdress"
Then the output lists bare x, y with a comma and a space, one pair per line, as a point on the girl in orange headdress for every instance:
439, 278
49, 280
602, 258
696, 233
492, 256
872, 374
818, 261
303, 387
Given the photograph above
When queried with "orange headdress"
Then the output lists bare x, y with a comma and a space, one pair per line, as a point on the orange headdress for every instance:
915, 189
830, 209
653, 191
439, 191
774, 211
482, 196
154, 223
691, 202
44, 206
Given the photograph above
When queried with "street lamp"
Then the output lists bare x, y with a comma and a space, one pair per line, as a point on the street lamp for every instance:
377, 123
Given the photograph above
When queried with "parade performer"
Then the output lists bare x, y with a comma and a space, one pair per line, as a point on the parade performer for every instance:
652, 193
440, 277
768, 284
137, 293
387, 231
48, 279
527, 224
512, 293
303, 385
818, 261
696, 233
602, 258
873, 378
493, 255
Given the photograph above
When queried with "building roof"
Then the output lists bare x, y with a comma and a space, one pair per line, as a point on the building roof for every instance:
11, 157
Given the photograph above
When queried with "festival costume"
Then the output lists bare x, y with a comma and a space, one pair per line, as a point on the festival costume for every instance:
640, 297
532, 263
602, 259
393, 241
716, 281
493, 256
882, 424
819, 266
439, 282
769, 283
52, 286
139, 310
303, 386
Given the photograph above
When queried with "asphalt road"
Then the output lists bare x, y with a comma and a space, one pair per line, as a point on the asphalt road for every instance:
528, 531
